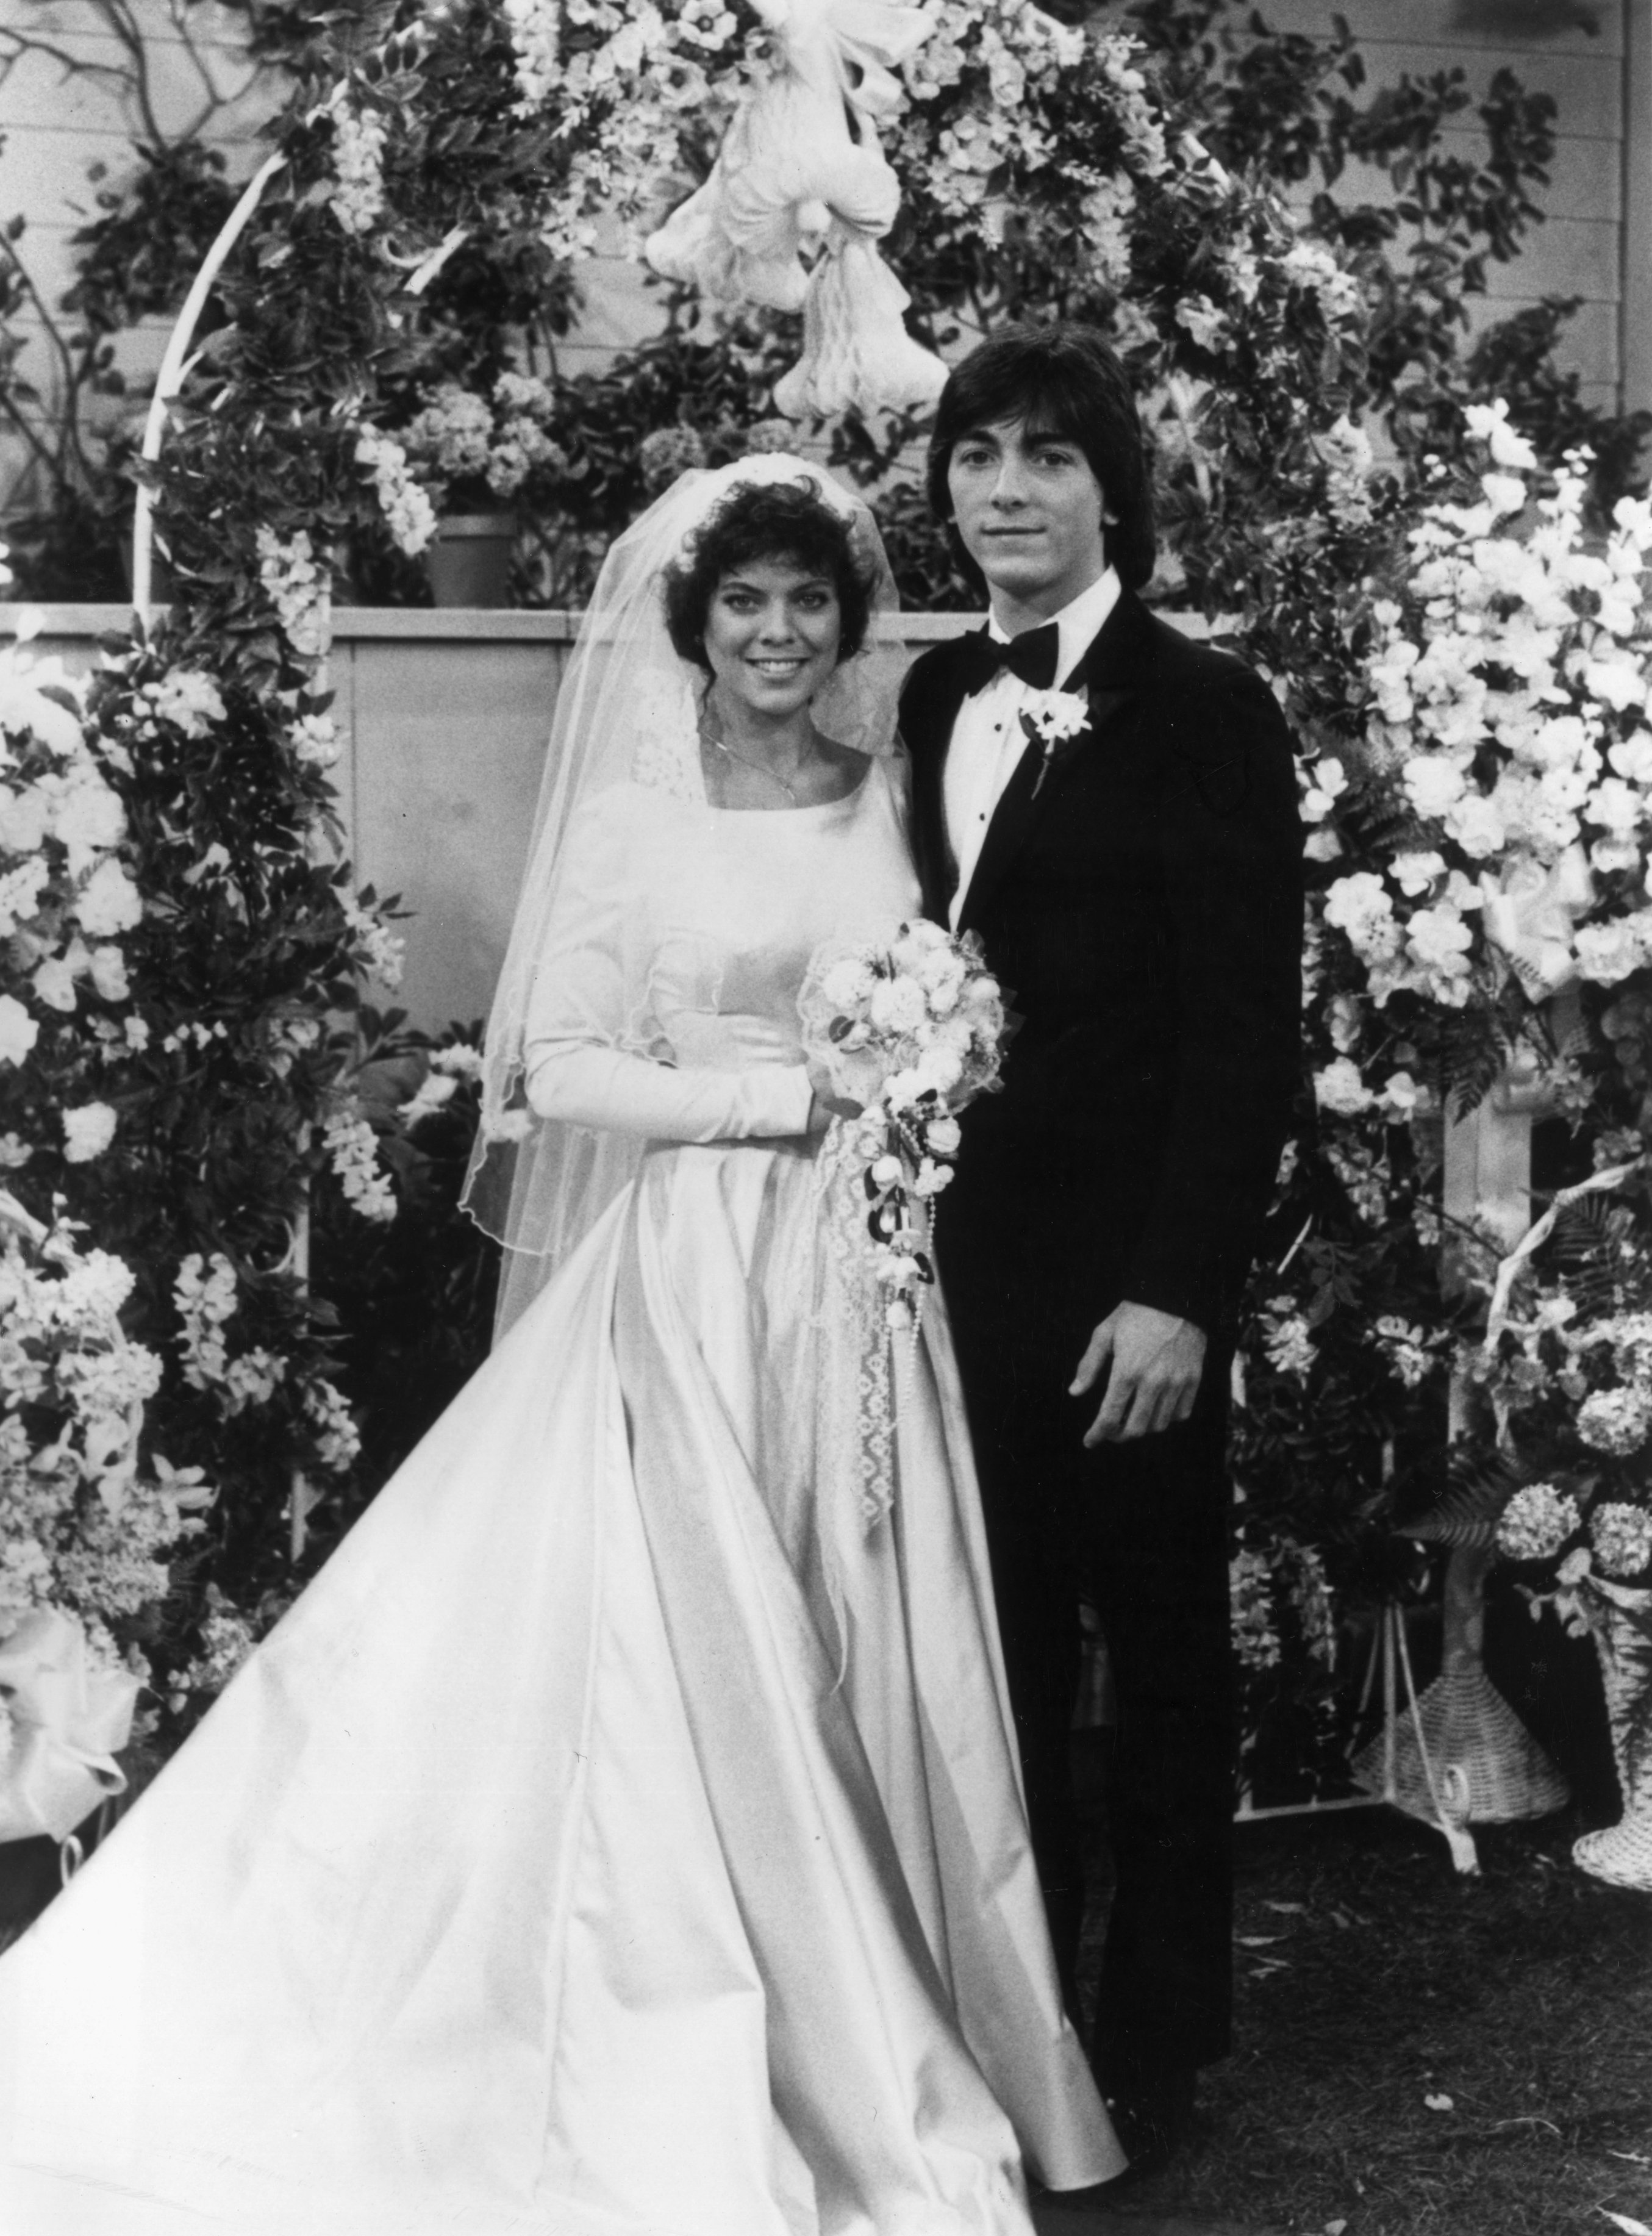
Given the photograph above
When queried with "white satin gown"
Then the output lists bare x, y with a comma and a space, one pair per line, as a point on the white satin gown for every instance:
621, 1837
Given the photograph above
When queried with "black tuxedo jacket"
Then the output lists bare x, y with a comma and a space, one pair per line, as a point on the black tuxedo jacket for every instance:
1140, 897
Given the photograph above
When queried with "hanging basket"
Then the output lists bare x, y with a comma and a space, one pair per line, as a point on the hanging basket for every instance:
1485, 1762
1621, 1621
469, 564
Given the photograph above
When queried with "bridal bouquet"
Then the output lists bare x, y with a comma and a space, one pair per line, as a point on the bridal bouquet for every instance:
912, 1028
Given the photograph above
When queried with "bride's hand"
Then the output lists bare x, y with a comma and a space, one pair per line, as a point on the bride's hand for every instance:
827, 1104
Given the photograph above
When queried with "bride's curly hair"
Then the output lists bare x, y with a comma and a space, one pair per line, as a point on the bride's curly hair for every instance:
767, 520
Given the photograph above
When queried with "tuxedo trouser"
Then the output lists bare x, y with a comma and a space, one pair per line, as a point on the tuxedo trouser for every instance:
1144, 1527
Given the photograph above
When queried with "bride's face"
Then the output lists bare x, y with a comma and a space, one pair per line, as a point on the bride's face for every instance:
771, 635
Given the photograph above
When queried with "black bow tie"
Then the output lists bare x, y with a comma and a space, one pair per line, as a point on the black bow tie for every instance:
1032, 656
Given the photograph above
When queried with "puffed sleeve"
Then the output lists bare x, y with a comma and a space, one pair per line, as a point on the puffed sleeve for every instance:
587, 1017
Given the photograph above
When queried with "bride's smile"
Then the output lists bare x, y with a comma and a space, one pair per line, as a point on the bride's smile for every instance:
772, 634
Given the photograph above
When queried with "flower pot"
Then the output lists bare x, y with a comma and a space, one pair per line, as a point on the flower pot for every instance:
469, 561
1620, 1617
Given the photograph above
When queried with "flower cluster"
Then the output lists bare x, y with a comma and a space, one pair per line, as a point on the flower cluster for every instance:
358, 140
1282, 1582
408, 510
1510, 733
634, 84
299, 588
85, 1525
207, 1296
352, 1146
497, 444
227, 1637
909, 1031
337, 1438
379, 950
535, 33
1569, 1372
1536, 1522
65, 897
665, 452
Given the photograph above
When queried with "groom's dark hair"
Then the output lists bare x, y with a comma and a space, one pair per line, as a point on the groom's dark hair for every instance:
1057, 379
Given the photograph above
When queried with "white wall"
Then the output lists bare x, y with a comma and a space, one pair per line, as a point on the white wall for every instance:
447, 715
58, 122
1582, 248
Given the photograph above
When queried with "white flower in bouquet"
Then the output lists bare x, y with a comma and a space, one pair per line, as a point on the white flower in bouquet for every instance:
1615, 1421
88, 1131
186, 699
298, 586
460, 1060
1255, 1640
1475, 822
205, 1297
109, 974
20, 892
1322, 784
1490, 424
109, 901
1361, 905
1406, 1347
848, 982
19, 1031
1537, 1522
382, 952
1287, 1339
1622, 1537
434, 1092
535, 34
911, 1028
92, 1290
358, 140
1402, 1097
1434, 783
897, 1005
352, 1148
315, 741
408, 510
337, 1438
252, 1380
25, 817
1339, 1087
1606, 952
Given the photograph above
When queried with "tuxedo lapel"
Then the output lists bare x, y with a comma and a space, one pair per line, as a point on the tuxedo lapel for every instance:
927, 728
1104, 674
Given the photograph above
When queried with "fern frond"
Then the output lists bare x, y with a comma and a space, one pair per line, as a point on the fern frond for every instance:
1467, 1512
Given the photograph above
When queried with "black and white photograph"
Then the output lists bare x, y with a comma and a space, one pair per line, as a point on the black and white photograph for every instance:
825, 1118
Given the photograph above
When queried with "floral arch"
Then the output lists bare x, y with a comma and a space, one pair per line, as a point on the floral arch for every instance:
435, 179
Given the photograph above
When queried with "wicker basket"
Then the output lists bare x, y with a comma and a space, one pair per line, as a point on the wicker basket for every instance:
1622, 1622
1487, 1768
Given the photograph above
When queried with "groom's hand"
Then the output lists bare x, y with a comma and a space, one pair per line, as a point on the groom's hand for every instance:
1152, 1362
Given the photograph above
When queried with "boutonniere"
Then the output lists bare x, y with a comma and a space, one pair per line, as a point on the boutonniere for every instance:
1052, 719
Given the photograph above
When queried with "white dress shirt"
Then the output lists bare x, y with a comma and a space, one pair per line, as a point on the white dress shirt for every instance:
987, 740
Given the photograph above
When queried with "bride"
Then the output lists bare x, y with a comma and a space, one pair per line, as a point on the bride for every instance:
621, 1837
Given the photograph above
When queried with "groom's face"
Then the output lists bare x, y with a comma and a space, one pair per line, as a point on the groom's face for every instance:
1031, 512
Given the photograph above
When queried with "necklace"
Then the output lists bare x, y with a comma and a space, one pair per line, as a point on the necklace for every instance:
760, 768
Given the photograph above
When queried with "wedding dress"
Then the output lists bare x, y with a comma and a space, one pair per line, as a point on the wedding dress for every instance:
622, 1835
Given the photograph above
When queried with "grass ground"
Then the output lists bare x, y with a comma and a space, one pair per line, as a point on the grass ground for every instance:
1423, 2055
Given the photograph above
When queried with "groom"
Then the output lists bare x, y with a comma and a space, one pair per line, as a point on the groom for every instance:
1136, 886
